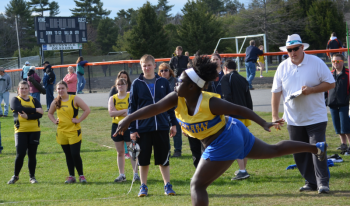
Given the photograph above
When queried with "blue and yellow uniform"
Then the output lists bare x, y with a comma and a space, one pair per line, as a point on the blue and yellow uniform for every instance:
234, 142
120, 104
67, 131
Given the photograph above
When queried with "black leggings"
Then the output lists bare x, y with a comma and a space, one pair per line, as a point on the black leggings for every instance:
73, 158
26, 143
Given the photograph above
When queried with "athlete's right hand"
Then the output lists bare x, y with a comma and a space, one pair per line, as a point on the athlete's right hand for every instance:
57, 121
134, 135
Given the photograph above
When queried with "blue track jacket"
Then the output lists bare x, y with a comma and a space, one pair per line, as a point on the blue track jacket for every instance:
140, 96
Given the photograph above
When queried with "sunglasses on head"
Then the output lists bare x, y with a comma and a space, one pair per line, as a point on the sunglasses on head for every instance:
337, 61
294, 49
164, 70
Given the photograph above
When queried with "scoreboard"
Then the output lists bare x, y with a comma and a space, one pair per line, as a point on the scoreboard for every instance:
60, 30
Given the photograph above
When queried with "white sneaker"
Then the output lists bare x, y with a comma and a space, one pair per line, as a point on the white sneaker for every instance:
33, 180
121, 178
136, 177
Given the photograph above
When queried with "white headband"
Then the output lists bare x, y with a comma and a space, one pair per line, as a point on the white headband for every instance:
194, 77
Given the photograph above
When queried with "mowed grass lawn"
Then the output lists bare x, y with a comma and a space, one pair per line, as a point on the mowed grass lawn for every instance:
270, 183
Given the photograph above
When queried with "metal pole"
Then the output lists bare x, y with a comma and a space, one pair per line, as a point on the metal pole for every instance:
238, 64
19, 48
80, 53
266, 50
347, 43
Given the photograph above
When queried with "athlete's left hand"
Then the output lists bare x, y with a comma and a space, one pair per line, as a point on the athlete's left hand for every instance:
23, 115
275, 124
75, 121
173, 131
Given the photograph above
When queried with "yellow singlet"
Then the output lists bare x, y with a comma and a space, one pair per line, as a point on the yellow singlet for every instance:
25, 125
261, 59
120, 104
203, 123
65, 115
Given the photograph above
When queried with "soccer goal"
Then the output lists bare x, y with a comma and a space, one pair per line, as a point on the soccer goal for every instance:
236, 38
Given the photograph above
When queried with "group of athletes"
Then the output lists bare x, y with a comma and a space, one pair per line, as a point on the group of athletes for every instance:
143, 115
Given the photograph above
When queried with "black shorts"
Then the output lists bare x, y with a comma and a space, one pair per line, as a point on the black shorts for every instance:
119, 138
161, 146
27, 138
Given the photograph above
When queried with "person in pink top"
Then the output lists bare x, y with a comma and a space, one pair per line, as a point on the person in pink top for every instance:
34, 92
71, 79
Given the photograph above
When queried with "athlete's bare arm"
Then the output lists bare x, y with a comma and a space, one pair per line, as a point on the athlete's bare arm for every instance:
86, 109
52, 111
168, 102
221, 107
113, 112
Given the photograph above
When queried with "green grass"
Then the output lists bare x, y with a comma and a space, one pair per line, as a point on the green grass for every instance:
269, 184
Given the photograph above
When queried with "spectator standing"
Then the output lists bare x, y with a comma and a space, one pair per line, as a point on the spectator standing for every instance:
187, 54
104, 68
25, 70
333, 43
166, 72
80, 75
34, 92
261, 62
71, 79
338, 101
49, 80
147, 89
235, 89
215, 86
130, 65
306, 115
252, 53
179, 62
5, 86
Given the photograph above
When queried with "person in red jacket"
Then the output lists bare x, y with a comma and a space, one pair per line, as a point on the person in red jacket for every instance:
71, 80
34, 92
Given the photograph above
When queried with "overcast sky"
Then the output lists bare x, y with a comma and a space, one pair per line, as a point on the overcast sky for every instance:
113, 5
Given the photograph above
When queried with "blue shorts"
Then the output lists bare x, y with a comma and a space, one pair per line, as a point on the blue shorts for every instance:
235, 142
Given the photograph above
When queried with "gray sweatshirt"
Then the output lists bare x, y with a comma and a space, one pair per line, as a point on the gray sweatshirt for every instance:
5, 83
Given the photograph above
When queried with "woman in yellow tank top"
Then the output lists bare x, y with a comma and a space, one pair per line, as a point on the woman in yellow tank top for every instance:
69, 134
201, 115
261, 62
26, 113
118, 109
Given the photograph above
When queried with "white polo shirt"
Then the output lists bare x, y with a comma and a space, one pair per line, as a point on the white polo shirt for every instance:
305, 109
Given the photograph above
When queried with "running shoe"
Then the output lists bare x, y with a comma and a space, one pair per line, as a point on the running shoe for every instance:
261, 76
136, 177
13, 180
121, 178
323, 189
241, 175
70, 179
343, 148
33, 180
322, 150
127, 156
82, 179
168, 188
143, 191
307, 188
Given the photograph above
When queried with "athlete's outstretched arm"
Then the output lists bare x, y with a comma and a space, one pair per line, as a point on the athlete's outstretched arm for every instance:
222, 107
168, 102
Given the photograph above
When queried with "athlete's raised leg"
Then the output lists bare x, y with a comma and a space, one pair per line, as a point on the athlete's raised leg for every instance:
207, 171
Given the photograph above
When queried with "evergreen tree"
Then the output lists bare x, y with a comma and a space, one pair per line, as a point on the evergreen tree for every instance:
163, 10
215, 6
19, 8
125, 20
40, 6
199, 29
107, 34
90, 9
324, 18
148, 36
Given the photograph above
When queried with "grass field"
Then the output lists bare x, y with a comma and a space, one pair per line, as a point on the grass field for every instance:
270, 183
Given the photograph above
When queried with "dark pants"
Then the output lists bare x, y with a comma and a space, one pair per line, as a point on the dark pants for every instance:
73, 158
178, 139
314, 171
49, 95
197, 149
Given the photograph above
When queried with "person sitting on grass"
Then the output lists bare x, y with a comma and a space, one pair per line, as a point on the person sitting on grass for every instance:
202, 116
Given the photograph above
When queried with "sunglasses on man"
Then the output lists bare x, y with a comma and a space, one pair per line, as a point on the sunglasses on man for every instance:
164, 70
294, 49
337, 61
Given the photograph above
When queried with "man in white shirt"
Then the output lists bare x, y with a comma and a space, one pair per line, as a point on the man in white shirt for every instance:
306, 114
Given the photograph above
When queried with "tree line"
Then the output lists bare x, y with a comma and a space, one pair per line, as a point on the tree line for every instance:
152, 29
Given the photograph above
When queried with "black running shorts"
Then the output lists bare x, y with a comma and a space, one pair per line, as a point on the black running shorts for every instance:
27, 138
119, 138
161, 146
